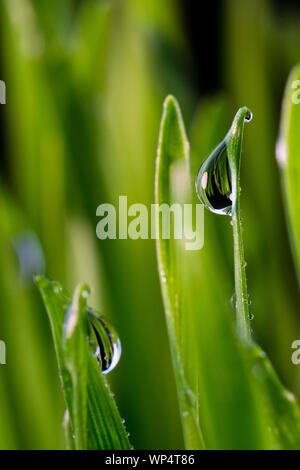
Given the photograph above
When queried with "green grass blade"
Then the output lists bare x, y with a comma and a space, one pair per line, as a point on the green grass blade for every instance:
234, 147
23, 329
280, 407
262, 208
245, 407
99, 425
283, 410
173, 149
70, 444
75, 349
288, 156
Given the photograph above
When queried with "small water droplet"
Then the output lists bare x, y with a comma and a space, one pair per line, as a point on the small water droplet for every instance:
233, 301
213, 184
104, 342
57, 287
251, 316
248, 116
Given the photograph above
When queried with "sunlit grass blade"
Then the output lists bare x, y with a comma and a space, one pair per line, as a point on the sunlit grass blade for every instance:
288, 157
94, 416
172, 151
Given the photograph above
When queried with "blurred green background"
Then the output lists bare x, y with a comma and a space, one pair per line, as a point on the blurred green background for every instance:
85, 85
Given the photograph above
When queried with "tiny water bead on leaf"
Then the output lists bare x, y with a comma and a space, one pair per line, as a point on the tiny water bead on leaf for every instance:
248, 116
214, 179
104, 341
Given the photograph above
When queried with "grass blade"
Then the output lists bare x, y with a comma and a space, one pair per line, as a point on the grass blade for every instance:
97, 425
288, 156
245, 407
173, 149
75, 349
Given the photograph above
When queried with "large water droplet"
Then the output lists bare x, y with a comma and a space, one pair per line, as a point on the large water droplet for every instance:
213, 184
104, 341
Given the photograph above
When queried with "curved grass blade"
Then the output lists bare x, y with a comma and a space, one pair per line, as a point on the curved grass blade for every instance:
94, 416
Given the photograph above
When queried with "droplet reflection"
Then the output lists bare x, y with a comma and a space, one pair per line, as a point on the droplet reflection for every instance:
213, 184
104, 341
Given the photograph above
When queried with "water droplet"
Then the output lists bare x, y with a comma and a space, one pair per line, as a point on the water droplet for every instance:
251, 316
233, 301
248, 116
214, 180
213, 184
104, 341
